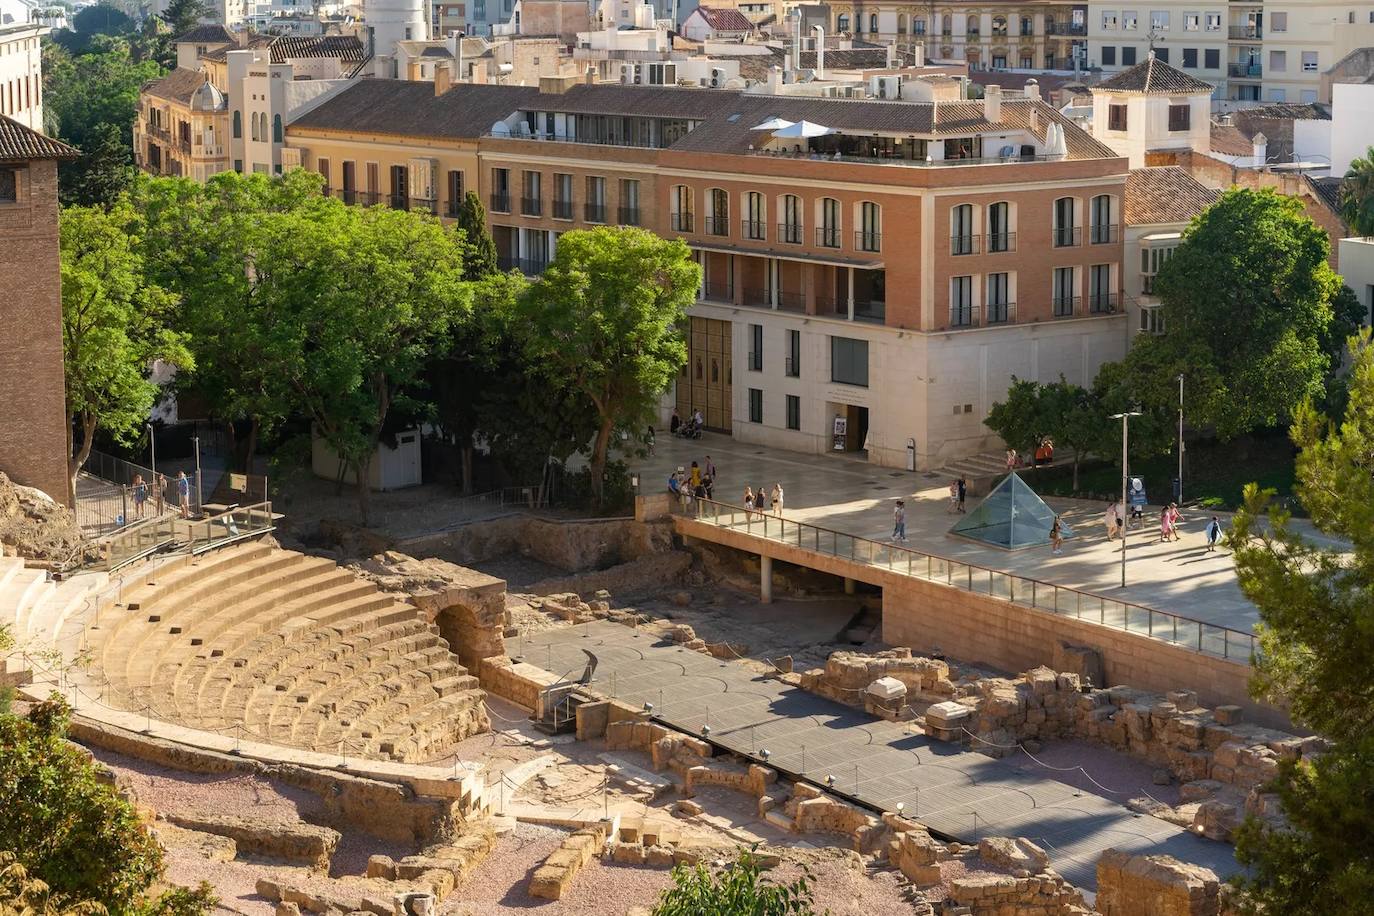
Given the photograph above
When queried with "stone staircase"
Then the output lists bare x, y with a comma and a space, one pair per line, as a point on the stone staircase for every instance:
280, 647
988, 464
43, 614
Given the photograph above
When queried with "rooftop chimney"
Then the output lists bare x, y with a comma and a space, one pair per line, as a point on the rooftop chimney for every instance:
1032, 89
590, 77
992, 103
820, 51
443, 81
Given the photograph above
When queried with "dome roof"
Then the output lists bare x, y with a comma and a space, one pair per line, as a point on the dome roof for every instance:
207, 98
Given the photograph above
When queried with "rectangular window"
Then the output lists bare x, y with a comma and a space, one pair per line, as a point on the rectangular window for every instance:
683, 209
997, 304
1278, 61
1152, 319
1108, 56
1278, 22
871, 235
1151, 260
629, 202
373, 182
596, 200
791, 229
1129, 20
500, 190
1065, 232
1190, 58
755, 405
322, 166
849, 361
1309, 96
1064, 291
1309, 61
9, 186
1109, 19
562, 196
1116, 117
1000, 237
794, 354
755, 348
1213, 22
1128, 56
1180, 117
1278, 95
1162, 55
455, 192
1159, 21
532, 201
1211, 58
793, 412
960, 302
1101, 300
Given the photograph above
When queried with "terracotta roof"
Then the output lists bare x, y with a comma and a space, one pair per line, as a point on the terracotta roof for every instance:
725, 19
1165, 194
177, 86
22, 144
1230, 140
207, 35
295, 47
1153, 75
252, 41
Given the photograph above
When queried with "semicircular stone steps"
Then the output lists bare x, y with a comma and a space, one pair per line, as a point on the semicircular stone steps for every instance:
282, 647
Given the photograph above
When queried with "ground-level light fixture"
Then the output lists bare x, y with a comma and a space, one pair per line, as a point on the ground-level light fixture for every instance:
765, 754
830, 781
706, 731
648, 707
901, 806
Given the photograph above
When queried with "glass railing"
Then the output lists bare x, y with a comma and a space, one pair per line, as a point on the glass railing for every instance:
235, 524
1184, 632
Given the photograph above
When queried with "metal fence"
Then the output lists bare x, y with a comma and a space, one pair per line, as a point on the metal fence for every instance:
1185, 632
112, 493
142, 539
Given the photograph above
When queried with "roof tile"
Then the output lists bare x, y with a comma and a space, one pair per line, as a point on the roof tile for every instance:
1165, 194
22, 144
1153, 75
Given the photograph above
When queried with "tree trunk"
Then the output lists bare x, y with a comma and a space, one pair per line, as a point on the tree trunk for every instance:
599, 451
363, 468
465, 452
78, 461
1075, 472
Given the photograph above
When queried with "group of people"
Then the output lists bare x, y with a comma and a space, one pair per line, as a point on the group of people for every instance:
1169, 518
1044, 454
763, 502
698, 482
141, 492
958, 492
688, 430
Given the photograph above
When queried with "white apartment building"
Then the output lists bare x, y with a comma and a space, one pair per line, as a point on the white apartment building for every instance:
1252, 51
21, 73
1357, 269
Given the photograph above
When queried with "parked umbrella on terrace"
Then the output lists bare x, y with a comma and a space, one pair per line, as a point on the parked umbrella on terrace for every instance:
803, 129
773, 124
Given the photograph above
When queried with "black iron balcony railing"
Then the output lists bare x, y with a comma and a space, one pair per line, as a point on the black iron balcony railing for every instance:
1066, 306
965, 244
1000, 312
791, 301
792, 368
1103, 233
1103, 303
500, 203
868, 241
629, 216
682, 222
754, 229
1067, 236
562, 209
1001, 241
791, 233
531, 206
717, 225
455, 207
425, 205
594, 213
828, 237
755, 363
398, 202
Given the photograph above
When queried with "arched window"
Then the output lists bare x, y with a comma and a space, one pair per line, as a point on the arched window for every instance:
870, 234
682, 208
755, 217
999, 25
842, 23
1101, 227
1027, 26
901, 23
963, 238
829, 233
918, 25
790, 229
973, 25
718, 219
276, 128
238, 126
1000, 236
873, 22
946, 24
256, 133
1065, 232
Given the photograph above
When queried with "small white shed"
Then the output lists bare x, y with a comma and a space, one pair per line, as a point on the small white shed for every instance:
392, 468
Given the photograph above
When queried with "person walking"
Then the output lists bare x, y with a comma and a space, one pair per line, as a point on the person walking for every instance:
953, 497
184, 494
1163, 524
1011, 459
899, 521
140, 490
674, 423
710, 468
748, 501
1213, 533
1175, 517
1109, 518
761, 500
649, 439
777, 499
962, 485
1056, 537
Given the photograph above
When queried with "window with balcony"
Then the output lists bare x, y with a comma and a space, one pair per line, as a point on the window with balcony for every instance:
790, 229
1103, 229
595, 206
755, 225
1116, 117
500, 190
793, 412
918, 25
1101, 296
1129, 20
755, 348
793, 366
562, 196
870, 234
322, 169
1027, 26
999, 25
1066, 233
1064, 292
755, 405
828, 235
849, 361
718, 216
1180, 117
400, 187
960, 302
963, 238
1151, 260
1000, 236
682, 209
997, 304
532, 201
629, 202
455, 192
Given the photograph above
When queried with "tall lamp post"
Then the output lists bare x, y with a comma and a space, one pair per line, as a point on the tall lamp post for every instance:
1125, 479
1180, 438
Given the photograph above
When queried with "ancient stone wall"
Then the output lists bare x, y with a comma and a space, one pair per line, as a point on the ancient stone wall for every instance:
1159, 885
573, 546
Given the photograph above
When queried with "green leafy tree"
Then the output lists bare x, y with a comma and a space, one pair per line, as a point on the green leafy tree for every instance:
606, 320
479, 258
114, 325
104, 172
1018, 420
1247, 299
183, 15
738, 889
101, 19
1357, 195
65, 827
1317, 614
1075, 419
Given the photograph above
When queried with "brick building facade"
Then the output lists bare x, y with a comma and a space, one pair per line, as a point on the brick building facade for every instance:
33, 449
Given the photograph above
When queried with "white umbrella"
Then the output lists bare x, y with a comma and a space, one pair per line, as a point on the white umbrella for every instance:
773, 124
803, 129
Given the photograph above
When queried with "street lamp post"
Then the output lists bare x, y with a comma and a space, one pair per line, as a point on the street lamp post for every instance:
1180, 438
152, 448
1125, 479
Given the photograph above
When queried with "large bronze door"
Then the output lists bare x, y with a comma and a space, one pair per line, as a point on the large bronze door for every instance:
705, 383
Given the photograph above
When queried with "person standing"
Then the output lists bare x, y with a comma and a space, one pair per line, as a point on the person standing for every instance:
184, 494
953, 497
1011, 459
140, 494
649, 439
761, 500
899, 521
1174, 517
777, 499
695, 478
710, 468
674, 423
1109, 518
963, 491
748, 501
1213, 533
159, 492
1163, 524
1056, 537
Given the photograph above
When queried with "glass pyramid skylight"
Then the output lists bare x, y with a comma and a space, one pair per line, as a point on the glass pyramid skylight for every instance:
1011, 517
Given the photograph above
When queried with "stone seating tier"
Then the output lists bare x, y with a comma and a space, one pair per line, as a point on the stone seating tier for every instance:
282, 647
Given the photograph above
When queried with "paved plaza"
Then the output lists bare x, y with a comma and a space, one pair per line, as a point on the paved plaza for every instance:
846, 494
953, 791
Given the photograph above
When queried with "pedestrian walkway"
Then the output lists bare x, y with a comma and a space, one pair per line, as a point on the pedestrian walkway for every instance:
856, 498
954, 792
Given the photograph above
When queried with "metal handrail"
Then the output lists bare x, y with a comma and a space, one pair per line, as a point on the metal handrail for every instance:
1176, 629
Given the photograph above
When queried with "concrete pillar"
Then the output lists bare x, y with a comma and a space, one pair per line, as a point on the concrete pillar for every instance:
737, 279
809, 287
850, 272
775, 280
849, 586
765, 579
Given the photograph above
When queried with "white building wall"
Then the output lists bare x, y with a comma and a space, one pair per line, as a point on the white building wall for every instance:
1109, 26
21, 73
1147, 124
1352, 124
1356, 257
1324, 32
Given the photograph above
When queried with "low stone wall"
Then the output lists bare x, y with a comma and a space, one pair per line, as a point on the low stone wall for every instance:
1160, 885
551, 879
751, 779
517, 682
648, 573
669, 749
299, 844
577, 545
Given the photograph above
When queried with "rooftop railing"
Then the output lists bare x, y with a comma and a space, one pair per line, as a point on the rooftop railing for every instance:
1184, 632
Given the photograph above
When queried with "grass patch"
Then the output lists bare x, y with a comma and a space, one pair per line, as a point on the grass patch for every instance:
1214, 473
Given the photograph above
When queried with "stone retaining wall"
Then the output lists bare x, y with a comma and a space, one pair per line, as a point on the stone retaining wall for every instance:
1160, 885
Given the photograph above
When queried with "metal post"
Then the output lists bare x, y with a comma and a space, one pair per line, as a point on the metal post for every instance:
1180, 438
1125, 479
200, 496
152, 449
